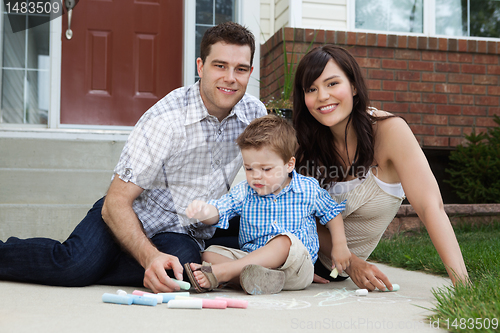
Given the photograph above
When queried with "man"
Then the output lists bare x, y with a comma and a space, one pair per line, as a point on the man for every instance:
181, 149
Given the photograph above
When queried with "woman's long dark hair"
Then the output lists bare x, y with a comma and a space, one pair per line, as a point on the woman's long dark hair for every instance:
317, 155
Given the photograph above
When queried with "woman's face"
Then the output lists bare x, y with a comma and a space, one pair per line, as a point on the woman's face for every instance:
330, 98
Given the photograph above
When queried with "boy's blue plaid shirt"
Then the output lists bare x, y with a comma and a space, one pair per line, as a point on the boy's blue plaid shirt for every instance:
293, 210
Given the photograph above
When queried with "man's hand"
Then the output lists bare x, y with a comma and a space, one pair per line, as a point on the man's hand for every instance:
367, 276
156, 278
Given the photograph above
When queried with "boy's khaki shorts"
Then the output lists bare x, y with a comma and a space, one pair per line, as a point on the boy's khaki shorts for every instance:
298, 267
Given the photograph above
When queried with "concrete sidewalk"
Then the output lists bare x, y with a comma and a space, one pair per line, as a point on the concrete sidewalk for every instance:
319, 308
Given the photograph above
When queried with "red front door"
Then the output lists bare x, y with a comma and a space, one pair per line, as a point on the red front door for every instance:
123, 57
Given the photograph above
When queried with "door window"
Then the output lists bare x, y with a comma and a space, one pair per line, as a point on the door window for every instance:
24, 75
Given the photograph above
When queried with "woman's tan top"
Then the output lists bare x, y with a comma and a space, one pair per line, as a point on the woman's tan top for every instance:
369, 210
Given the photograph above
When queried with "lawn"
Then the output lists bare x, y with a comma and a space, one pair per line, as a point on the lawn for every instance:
473, 308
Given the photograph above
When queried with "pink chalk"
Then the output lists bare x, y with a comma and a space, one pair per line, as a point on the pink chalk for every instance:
214, 304
138, 292
234, 303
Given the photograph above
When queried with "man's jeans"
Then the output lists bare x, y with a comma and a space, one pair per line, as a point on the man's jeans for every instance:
89, 256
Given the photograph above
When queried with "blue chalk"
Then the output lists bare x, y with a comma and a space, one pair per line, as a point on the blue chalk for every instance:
141, 300
170, 296
116, 299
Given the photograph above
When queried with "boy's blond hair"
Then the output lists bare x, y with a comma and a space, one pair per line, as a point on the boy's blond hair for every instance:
270, 131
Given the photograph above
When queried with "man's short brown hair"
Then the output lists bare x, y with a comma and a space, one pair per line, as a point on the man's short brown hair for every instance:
230, 33
270, 131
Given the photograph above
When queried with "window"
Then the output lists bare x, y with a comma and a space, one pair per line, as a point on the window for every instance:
475, 18
390, 15
24, 74
460, 18
209, 13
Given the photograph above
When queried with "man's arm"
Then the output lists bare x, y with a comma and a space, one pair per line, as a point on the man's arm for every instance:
118, 214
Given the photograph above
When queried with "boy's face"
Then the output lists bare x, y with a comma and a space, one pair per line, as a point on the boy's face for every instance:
224, 77
266, 171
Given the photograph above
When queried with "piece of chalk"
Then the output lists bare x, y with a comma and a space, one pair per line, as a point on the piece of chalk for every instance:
183, 297
170, 296
159, 298
213, 304
207, 303
143, 300
234, 303
361, 292
183, 284
334, 273
185, 304
395, 287
116, 299
121, 292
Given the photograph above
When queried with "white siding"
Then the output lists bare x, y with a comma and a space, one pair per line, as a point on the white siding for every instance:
324, 14
281, 15
315, 14
266, 19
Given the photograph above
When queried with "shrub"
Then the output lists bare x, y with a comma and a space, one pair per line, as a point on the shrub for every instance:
475, 167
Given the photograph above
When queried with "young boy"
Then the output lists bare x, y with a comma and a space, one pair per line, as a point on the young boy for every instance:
277, 208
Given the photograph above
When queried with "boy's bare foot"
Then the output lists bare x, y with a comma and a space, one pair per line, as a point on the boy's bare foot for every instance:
202, 276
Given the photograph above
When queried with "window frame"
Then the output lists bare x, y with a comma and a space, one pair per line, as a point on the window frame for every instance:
429, 24
55, 29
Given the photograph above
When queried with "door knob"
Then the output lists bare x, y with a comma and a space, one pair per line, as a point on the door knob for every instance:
69, 4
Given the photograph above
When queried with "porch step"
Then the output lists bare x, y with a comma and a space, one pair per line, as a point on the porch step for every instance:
47, 186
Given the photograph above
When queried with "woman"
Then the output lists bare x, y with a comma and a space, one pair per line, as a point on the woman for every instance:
368, 157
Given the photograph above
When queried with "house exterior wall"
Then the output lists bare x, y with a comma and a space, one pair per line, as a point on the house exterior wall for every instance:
443, 87
317, 14
324, 14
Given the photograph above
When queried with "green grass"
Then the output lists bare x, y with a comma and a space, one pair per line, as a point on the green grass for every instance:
457, 307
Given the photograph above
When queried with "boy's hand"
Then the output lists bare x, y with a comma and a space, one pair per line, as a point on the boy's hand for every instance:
341, 257
198, 209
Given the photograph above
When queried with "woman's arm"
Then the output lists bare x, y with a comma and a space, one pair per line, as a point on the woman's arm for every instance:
399, 155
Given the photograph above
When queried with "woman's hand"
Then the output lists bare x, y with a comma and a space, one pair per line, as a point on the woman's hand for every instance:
367, 276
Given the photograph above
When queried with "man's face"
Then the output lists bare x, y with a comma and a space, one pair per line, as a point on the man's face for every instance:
224, 77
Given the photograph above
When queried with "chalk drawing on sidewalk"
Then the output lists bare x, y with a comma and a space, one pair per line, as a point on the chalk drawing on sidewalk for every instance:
278, 304
333, 297
336, 297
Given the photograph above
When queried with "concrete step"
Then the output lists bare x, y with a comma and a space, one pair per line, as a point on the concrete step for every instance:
47, 186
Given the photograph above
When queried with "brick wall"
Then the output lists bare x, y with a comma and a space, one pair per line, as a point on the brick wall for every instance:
442, 87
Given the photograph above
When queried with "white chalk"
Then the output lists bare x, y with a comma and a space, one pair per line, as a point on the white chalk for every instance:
178, 297
395, 287
334, 273
121, 292
183, 284
159, 298
194, 303
361, 292
170, 296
